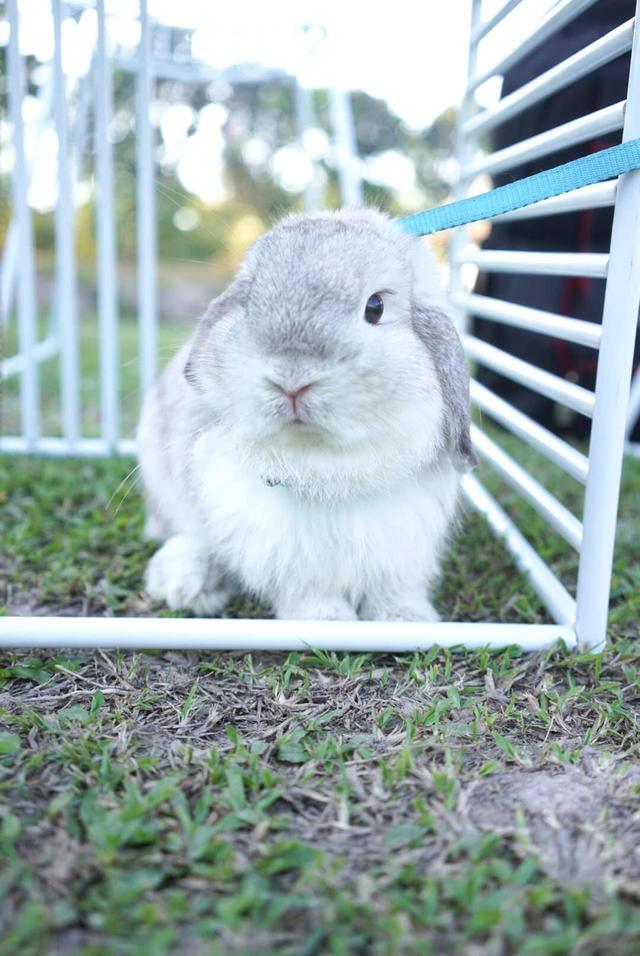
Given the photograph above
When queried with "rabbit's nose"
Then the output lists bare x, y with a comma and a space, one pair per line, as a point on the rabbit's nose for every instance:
295, 412
292, 393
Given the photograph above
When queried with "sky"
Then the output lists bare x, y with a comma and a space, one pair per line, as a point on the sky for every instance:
412, 53
398, 51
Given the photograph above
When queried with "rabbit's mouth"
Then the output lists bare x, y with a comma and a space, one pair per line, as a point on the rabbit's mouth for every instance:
296, 415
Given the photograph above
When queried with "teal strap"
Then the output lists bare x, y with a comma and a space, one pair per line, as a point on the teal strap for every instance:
595, 168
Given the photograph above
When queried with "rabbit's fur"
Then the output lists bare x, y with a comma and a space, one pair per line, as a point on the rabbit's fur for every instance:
342, 514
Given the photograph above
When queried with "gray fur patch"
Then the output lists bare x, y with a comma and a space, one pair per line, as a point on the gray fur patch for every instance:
308, 273
233, 297
436, 331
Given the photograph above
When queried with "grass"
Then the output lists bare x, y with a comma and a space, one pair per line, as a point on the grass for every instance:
191, 803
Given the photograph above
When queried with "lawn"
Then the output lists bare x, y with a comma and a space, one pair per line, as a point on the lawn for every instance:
196, 803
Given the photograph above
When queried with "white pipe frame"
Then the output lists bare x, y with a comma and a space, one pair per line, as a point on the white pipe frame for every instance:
482, 27
564, 12
531, 490
572, 461
606, 449
534, 320
464, 146
15, 364
106, 237
146, 215
66, 298
245, 634
560, 604
598, 123
346, 152
593, 264
304, 114
10, 266
61, 448
597, 196
27, 305
590, 58
574, 396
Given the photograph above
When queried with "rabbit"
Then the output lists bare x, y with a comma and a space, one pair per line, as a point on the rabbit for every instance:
306, 444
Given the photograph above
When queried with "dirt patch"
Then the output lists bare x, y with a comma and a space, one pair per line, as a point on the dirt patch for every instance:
582, 822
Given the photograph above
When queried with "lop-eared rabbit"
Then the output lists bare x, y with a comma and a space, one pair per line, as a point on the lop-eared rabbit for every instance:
306, 444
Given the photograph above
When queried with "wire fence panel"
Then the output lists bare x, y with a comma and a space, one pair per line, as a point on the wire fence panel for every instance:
613, 414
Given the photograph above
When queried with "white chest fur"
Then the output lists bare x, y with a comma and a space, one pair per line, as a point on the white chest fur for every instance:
276, 540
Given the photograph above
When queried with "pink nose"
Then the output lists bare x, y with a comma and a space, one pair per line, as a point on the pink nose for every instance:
293, 394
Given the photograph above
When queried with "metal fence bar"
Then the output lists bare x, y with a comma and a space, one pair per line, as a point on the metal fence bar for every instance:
587, 60
592, 264
66, 298
27, 306
79, 132
346, 150
146, 217
619, 327
535, 320
468, 106
564, 12
8, 269
61, 448
531, 490
552, 386
597, 196
571, 461
10, 260
303, 101
576, 131
105, 221
41, 352
552, 592
486, 26
250, 634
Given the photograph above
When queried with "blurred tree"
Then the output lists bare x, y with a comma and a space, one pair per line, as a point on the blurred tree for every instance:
259, 132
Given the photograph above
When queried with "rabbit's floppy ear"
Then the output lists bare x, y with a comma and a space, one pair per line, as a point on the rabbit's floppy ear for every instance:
232, 300
435, 330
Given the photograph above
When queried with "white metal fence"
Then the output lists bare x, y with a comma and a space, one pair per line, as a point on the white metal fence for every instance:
599, 472
580, 619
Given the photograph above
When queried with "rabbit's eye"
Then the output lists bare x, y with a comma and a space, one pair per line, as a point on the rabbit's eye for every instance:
374, 309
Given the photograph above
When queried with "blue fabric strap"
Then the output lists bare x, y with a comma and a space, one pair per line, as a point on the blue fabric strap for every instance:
585, 171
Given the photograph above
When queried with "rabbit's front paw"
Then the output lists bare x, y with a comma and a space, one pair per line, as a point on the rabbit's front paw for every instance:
185, 577
315, 609
398, 608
